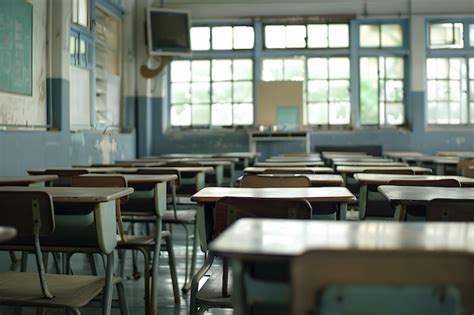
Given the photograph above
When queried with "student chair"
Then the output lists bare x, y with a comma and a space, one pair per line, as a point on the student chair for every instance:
256, 181
142, 203
217, 291
387, 282
32, 214
450, 210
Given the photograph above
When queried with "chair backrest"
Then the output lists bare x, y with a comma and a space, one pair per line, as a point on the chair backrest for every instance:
469, 172
450, 210
445, 182
157, 171
100, 181
65, 175
315, 272
462, 166
407, 171
286, 171
255, 181
20, 209
182, 164
230, 209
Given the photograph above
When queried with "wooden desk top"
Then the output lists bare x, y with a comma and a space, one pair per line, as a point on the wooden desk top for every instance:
289, 164
421, 195
316, 179
367, 163
7, 233
100, 170
401, 154
239, 155
140, 179
460, 154
77, 194
25, 180
433, 159
312, 194
292, 159
384, 179
361, 159
361, 169
283, 239
185, 169
315, 170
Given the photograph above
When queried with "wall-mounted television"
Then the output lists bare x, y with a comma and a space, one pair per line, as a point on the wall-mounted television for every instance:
168, 32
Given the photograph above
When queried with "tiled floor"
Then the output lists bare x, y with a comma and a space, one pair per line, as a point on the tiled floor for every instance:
134, 288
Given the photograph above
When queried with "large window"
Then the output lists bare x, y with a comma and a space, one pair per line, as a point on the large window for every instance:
450, 72
382, 74
214, 90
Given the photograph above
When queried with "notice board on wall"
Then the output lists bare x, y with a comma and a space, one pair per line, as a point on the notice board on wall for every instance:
279, 103
16, 41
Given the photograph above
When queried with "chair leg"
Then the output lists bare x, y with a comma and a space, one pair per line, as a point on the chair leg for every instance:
146, 271
13, 257
172, 265
24, 261
155, 266
122, 254
122, 298
56, 261
186, 260
75, 311
108, 287
193, 307
90, 258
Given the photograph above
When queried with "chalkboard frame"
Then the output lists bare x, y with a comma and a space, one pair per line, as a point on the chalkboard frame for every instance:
29, 89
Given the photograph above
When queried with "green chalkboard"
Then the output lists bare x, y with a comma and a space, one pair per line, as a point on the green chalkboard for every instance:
16, 41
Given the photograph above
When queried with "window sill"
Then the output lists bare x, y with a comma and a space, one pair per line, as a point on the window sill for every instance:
449, 128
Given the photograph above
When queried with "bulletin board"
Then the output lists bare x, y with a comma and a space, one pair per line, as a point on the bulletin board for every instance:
279, 103
16, 40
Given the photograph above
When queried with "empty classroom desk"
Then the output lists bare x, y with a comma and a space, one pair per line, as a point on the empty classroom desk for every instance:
26, 180
289, 164
250, 242
294, 170
317, 180
403, 196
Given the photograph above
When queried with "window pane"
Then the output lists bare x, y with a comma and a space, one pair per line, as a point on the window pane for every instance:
318, 91
318, 36
338, 35
471, 68
471, 35
201, 115
369, 35
339, 68
83, 13
431, 68
317, 68
471, 97
243, 37
243, 114
200, 38
394, 91
180, 93
392, 35
339, 90
222, 92
294, 70
431, 90
395, 114
339, 113
296, 36
242, 92
455, 113
275, 36
318, 113
221, 115
432, 106
222, 37
180, 115
200, 93
369, 90
243, 69
74, 11
446, 35
201, 70
455, 69
442, 90
394, 68
471, 109
272, 70
221, 70
442, 111
455, 91
180, 71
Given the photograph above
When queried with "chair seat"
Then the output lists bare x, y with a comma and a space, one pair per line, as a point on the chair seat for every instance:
182, 216
211, 292
69, 291
139, 240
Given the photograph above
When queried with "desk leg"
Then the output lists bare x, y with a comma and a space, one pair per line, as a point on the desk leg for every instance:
363, 195
400, 213
232, 175
342, 211
108, 287
439, 169
155, 267
200, 180
219, 169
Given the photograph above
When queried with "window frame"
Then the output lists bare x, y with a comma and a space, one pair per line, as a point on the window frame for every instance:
466, 53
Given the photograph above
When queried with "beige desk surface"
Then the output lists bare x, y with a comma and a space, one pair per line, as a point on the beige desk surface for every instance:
366, 163
361, 159
288, 164
286, 159
162, 162
312, 194
334, 154
273, 239
460, 154
140, 179
77, 194
433, 159
315, 170
42, 171
185, 169
239, 155
7, 233
421, 195
316, 179
361, 169
25, 180
384, 179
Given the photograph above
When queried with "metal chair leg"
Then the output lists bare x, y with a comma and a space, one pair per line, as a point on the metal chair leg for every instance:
172, 265
122, 298
108, 287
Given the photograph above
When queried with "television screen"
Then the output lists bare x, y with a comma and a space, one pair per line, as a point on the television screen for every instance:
168, 32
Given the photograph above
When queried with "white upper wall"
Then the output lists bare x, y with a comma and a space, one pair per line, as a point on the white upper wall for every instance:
217, 9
